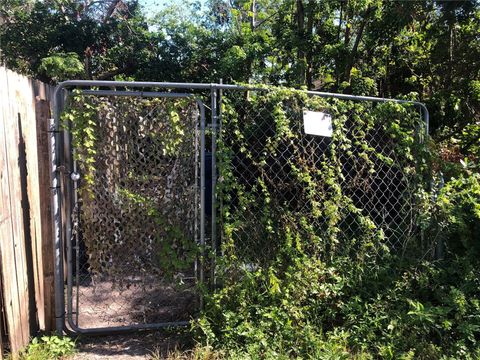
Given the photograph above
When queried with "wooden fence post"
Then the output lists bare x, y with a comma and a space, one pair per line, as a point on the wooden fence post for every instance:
12, 226
26, 249
47, 310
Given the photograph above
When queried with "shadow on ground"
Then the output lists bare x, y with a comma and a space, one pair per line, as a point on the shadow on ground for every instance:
131, 346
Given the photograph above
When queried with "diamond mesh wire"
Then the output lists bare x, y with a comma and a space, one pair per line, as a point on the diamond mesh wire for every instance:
342, 195
136, 218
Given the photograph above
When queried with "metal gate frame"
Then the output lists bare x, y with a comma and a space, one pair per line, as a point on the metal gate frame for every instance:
59, 151
65, 196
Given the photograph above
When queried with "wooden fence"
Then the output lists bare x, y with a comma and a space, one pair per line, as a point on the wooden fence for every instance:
26, 250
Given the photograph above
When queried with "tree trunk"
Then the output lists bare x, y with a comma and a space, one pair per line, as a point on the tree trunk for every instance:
300, 15
309, 56
346, 40
353, 53
252, 19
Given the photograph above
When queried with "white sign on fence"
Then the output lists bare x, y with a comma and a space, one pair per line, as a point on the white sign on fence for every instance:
317, 123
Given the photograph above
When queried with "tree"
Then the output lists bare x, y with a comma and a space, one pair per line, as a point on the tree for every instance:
106, 36
429, 50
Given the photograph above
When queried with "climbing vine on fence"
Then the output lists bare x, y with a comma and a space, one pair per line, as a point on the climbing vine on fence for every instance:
305, 218
353, 193
137, 158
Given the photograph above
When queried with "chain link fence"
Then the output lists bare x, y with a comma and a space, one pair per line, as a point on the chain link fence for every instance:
158, 204
348, 193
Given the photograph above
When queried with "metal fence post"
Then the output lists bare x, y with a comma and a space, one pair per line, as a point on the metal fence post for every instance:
214, 182
57, 210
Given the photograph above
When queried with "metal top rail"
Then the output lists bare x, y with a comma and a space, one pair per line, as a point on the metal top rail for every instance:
218, 86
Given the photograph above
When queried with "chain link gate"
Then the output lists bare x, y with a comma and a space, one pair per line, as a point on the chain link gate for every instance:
130, 166
139, 215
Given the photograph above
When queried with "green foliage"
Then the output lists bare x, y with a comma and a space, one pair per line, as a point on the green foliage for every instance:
52, 40
80, 119
197, 353
176, 250
389, 49
362, 85
320, 291
49, 348
388, 309
297, 287
292, 289
62, 66
459, 212
267, 132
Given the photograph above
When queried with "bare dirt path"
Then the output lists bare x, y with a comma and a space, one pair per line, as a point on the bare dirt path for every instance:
139, 346
104, 305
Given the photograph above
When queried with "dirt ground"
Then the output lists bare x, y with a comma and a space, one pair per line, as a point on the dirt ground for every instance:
105, 305
147, 345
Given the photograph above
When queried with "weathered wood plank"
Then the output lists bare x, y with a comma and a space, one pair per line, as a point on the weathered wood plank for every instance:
18, 185
33, 204
2, 310
18, 268
46, 307
1, 342
6, 222
26, 249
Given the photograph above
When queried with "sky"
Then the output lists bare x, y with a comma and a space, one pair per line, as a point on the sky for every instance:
152, 6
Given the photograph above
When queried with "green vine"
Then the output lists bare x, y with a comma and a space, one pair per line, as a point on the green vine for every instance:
80, 118
305, 218
266, 132
136, 158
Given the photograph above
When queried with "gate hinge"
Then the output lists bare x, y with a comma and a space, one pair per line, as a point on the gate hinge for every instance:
51, 127
61, 169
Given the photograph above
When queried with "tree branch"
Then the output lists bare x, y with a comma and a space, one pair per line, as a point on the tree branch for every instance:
112, 73
353, 53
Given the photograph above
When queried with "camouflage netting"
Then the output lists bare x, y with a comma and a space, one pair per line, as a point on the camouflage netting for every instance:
138, 204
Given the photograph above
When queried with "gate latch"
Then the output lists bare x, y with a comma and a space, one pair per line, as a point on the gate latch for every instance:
75, 176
